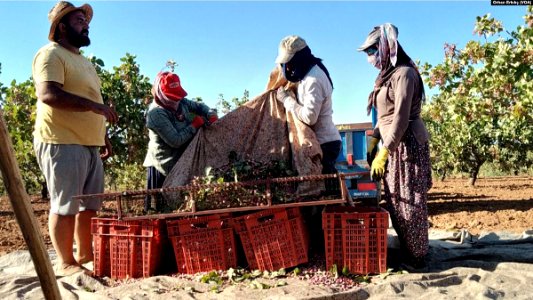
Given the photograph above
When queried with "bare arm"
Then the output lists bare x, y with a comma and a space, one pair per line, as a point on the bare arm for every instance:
52, 93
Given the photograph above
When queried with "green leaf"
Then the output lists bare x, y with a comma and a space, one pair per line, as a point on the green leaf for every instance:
258, 285
256, 273
281, 283
296, 271
333, 271
345, 271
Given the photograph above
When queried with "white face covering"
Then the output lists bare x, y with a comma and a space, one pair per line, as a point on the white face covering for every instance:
374, 60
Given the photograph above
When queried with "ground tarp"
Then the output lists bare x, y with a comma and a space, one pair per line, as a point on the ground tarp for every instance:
491, 266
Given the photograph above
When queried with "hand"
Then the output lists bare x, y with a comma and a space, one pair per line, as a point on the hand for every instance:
371, 150
282, 94
106, 151
212, 119
107, 111
197, 122
378, 165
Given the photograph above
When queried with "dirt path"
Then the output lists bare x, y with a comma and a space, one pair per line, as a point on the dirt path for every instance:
495, 204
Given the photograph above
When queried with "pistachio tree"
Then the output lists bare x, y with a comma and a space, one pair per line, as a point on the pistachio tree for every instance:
128, 91
18, 102
483, 109
224, 106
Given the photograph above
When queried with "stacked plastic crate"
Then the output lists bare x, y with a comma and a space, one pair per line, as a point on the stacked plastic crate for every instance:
127, 249
203, 243
356, 238
273, 239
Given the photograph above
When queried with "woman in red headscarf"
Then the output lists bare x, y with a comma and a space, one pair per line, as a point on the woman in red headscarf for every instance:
172, 121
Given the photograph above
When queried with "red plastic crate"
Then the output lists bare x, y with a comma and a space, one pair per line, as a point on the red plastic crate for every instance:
102, 261
203, 244
273, 239
239, 225
127, 249
356, 238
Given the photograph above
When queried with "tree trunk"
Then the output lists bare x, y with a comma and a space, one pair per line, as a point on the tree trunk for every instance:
472, 180
474, 173
44, 191
443, 175
20, 201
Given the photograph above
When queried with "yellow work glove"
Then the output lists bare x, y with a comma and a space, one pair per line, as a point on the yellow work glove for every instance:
371, 150
378, 165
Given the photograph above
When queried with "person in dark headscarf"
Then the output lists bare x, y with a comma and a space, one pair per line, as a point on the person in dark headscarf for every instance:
314, 104
313, 107
403, 160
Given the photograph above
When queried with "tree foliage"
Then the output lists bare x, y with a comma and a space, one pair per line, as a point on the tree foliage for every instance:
483, 109
128, 91
18, 101
224, 106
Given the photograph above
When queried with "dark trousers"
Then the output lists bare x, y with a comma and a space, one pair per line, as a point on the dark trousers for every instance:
330, 152
154, 181
313, 214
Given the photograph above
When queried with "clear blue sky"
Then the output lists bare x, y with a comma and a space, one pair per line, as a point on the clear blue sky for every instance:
227, 47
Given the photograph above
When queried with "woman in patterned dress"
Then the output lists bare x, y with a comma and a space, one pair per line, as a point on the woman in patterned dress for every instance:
403, 160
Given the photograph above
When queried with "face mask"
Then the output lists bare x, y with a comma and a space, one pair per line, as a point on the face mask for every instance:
292, 75
375, 60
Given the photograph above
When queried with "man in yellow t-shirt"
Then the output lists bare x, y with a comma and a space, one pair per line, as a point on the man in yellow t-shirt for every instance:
70, 128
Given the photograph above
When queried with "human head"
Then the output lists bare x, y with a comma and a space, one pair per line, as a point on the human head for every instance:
294, 58
167, 90
288, 46
276, 80
382, 42
60, 10
371, 40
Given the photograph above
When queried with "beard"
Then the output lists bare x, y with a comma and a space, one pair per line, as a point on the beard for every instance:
77, 39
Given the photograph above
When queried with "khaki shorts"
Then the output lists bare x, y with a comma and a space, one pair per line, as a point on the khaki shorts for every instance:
71, 170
